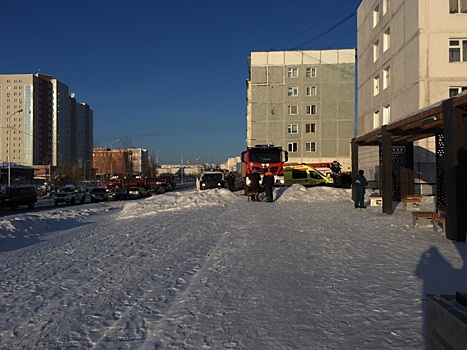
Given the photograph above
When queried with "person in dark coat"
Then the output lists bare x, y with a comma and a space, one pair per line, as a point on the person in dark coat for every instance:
360, 184
230, 182
268, 183
255, 179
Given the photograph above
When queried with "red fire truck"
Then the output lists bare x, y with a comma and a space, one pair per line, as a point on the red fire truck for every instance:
264, 158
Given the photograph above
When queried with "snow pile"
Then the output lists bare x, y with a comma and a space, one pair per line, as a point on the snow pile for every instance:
312, 194
175, 201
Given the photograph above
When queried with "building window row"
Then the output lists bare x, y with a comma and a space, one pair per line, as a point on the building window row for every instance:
457, 50
456, 90
292, 147
309, 90
386, 117
376, 12
310, 72
310, 109
386, 44
386, 80
310, 128
457, 6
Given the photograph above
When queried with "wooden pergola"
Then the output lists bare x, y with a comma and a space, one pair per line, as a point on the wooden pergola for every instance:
447, 122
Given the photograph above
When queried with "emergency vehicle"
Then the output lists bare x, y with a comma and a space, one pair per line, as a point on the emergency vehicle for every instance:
264, 158
305, 175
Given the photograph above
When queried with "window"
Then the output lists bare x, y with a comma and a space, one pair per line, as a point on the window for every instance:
456, 90
457, 6
292, 73
375, 51
386, 114
375, 16
311, 109
292, 147
293, 110
310, 147
310, 72
293, 91
292, 129
386, 75
386, 39
375, 119
311, 90
385, 6
310, 128
376, 85
457, 50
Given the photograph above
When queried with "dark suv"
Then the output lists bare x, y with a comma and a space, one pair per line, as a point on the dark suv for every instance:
12, 197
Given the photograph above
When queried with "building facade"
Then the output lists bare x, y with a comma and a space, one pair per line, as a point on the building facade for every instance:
304, 102
42, 124
411, 54
129, 162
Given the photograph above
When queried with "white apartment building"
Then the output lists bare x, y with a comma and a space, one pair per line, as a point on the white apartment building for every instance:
411, 54
304, 102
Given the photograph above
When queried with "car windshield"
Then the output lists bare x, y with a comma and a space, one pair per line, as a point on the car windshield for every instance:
98, 190
211, 177
265, 156
67, 189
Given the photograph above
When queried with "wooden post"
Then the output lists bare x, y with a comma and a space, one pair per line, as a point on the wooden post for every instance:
454, 168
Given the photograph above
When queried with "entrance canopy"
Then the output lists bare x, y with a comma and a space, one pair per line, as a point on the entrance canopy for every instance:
445, 120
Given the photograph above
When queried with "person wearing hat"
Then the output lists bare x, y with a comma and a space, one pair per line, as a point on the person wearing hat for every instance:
268, 183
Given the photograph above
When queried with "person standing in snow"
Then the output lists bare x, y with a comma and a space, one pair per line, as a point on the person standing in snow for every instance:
230, 182
254, 186
268, 183
360, 183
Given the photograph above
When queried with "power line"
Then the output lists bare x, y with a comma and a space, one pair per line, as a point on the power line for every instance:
314, 25
319, 35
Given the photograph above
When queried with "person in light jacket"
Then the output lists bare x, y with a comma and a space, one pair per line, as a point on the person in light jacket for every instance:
360, 183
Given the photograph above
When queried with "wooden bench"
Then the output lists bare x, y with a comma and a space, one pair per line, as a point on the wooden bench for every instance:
412, 202
439, 223
422, 218
376, 201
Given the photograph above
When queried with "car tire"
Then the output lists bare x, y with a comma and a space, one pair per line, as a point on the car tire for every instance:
13, 206
31, 205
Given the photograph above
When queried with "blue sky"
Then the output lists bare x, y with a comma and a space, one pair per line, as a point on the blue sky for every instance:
165, 75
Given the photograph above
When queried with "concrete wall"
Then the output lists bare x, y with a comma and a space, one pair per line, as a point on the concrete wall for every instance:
446, 323
268, 116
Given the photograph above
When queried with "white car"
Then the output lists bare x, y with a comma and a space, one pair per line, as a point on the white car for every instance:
138, 192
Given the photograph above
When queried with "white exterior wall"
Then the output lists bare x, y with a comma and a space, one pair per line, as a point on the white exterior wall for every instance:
418, 57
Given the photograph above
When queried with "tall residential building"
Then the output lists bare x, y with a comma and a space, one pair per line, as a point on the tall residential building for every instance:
41, 123
411, 54
303, 101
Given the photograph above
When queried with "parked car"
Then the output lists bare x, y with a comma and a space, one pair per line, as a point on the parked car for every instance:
157, 189
12, 197
138, 192
210, 179
117, 193
99, 194
70, 195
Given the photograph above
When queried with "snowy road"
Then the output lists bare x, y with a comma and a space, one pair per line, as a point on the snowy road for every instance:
208, 270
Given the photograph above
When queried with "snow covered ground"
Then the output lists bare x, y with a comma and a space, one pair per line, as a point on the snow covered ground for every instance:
209, 270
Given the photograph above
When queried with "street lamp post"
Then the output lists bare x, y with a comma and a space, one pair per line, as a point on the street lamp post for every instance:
181, 168
111, 160
9, 145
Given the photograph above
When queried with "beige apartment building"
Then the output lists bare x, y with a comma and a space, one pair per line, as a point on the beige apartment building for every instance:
411, 54
304, 102
42, 124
